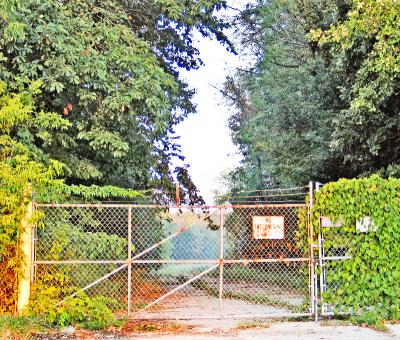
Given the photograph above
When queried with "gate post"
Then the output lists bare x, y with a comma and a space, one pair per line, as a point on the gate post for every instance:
25, 238
313, 276
221, 262
320, 258
129, 260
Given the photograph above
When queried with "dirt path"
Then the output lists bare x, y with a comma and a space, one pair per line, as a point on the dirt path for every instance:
280, 330
199, 306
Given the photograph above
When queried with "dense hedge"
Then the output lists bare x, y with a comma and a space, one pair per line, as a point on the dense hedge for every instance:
367, 284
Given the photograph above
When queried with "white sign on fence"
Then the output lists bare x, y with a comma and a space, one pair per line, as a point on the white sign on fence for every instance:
326, 222
268, 227
366, 224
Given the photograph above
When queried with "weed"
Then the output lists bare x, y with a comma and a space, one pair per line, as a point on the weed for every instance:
20, 327
377, 325
335, 322
151, 327
253, 324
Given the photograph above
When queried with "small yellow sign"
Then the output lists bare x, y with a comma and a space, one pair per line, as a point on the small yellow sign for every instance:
268, 227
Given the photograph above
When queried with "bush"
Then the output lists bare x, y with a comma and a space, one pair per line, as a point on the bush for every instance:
87, 312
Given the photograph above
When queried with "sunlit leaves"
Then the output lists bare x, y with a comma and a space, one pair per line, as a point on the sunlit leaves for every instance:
365, 49
116, 64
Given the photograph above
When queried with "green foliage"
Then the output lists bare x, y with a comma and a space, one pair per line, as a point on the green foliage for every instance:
321, 100
78, 234
100, 109
120, 91
367, 283
22, 327
19, 171
87, 312
25, 170
363, 48
284, 103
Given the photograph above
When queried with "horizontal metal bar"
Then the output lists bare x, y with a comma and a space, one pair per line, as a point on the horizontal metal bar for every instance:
274, 189
216, 261
189, 207
245, 261
327, 258
266, 196
81, 262
129, 262
100, 205
278, 205
231, 316
189, 261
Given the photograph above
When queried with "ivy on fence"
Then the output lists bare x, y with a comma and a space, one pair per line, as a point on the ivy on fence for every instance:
365, 214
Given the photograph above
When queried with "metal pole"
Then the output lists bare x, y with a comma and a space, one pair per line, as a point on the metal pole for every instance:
25, 239
130, 260
321, 261
221, 263
313, 288
177, 195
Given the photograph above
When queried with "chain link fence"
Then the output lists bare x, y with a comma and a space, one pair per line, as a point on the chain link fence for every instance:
335, 249
152, 262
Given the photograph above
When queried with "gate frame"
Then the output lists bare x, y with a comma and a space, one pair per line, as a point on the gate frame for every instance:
217, 263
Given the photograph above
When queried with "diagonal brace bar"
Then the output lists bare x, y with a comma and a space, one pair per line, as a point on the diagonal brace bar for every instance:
94, 283
177, 288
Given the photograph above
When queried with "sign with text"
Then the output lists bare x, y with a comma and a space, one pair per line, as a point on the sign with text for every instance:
268, 227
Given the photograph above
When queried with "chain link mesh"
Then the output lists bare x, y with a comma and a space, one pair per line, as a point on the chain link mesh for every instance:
162, 262
336, 247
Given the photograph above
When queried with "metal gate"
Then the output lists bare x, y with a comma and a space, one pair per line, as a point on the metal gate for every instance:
175, 262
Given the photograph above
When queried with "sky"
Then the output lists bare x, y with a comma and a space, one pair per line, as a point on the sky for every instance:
205, 137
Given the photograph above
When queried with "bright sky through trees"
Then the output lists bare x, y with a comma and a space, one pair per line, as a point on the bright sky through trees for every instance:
205, 136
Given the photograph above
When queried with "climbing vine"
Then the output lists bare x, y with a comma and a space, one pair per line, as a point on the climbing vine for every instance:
365, 228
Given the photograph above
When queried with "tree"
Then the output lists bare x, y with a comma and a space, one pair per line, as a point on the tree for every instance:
285, 103
25, 170
19, 166
321, 101
111, 69
364, 48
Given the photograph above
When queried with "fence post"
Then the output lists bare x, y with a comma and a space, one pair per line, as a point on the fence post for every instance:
177, 195
313, 278
130, 260
24, 277
321, 260
221, 263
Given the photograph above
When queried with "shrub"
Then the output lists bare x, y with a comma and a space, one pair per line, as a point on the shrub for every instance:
83, 310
